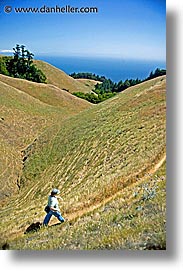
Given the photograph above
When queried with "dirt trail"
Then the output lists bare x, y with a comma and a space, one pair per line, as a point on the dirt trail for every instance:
91, 208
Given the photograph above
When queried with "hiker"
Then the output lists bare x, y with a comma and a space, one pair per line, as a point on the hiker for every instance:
53, 207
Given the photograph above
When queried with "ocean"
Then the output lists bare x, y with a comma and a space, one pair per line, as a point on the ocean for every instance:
115, 69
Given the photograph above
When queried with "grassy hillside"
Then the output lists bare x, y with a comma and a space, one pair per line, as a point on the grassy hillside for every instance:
60, 79
27, 109
107, 161
89, 82
135, 220
47, 93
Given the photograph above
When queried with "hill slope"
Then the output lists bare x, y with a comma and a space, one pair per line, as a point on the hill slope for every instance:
27, 109
63, 81
96, 157
47, 93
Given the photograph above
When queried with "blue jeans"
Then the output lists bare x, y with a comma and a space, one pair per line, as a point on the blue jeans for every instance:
57, 214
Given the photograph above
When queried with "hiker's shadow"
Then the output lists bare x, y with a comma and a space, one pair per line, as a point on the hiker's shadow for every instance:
34, 227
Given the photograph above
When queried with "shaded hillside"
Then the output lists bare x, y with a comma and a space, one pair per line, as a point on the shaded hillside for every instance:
27, 109
60, 79
92, 157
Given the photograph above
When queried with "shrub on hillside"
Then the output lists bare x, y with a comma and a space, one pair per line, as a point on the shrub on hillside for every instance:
3, 65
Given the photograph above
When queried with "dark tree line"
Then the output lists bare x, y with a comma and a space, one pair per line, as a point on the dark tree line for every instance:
21, 65
107, 88
156, 73
88, 76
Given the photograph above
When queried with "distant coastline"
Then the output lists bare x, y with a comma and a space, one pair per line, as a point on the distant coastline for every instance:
113, 68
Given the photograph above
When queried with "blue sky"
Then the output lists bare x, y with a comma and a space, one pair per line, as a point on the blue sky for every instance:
121, 29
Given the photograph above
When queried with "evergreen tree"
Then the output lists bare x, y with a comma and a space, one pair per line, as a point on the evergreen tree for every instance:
21, 65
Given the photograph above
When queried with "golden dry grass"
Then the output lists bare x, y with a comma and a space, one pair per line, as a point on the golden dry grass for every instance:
90, 83
60, 79
135, 220
27, 109
95, 157
47, 93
